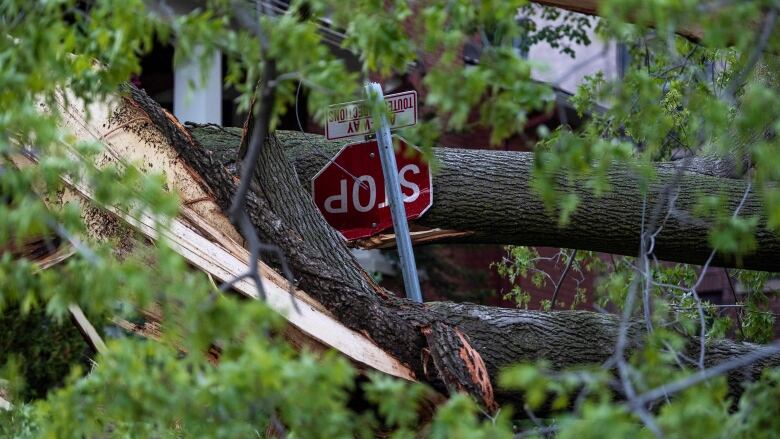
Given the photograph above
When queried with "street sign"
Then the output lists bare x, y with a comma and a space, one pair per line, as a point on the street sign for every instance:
353, 119
350, 190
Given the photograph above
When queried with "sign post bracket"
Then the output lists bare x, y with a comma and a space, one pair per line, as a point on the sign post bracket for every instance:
397, 209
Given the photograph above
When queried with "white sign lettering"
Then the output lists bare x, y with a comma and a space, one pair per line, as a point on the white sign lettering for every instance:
354, 119
338, 203
371, 193
341, 198
414, 169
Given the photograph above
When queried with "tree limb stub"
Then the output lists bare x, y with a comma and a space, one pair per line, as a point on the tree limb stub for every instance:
486, 195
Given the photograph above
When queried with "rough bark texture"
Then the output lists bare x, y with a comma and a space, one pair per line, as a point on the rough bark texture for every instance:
451, 346
284, 214
713, 166
570, 338
488, 193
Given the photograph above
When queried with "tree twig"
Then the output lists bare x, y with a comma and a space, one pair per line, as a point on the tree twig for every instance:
248, 159
734, 295
562, 278
704, 375
695, 294
755, 55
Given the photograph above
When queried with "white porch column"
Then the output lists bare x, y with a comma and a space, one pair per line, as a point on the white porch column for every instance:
201, 103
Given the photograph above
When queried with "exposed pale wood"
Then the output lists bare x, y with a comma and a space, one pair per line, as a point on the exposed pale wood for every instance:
42, 250
150, 330
63, 252
128, 137
241, 253
87, 330
5, 405
218, 255
81, 321
387, 240
591, 7
217, 261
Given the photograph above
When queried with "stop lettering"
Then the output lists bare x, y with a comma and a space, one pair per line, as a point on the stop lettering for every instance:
350, 189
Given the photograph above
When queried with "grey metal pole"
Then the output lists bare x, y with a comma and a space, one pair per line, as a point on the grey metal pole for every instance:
390, 170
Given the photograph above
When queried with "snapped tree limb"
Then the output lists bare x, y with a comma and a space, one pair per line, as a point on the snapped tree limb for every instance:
451, 346
202, 234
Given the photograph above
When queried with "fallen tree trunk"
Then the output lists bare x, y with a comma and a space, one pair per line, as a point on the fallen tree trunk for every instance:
455, 347
487, 195
202, 235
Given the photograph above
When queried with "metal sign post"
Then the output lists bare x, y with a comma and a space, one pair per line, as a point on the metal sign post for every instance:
390, 170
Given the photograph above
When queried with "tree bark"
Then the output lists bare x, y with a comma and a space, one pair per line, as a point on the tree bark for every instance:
454, 347
488, 193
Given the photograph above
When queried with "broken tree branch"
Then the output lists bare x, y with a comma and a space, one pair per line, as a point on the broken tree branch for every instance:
203, 235
499, 337
456, 347
562, 278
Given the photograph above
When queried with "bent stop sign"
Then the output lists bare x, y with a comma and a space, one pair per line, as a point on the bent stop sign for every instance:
350, 189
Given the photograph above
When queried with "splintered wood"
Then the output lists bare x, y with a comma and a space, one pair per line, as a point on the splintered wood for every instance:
202, 234
387, 240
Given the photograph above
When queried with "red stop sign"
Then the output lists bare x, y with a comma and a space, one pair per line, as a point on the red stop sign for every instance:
350, 189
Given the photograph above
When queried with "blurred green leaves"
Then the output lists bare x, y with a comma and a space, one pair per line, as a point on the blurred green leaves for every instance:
672, 101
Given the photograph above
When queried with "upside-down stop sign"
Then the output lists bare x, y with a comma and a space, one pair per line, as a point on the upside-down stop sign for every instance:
350, 190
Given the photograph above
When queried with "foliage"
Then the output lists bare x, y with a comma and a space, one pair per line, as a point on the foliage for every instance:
676, 96
46, 349
671, 288
555, 27
523, 263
